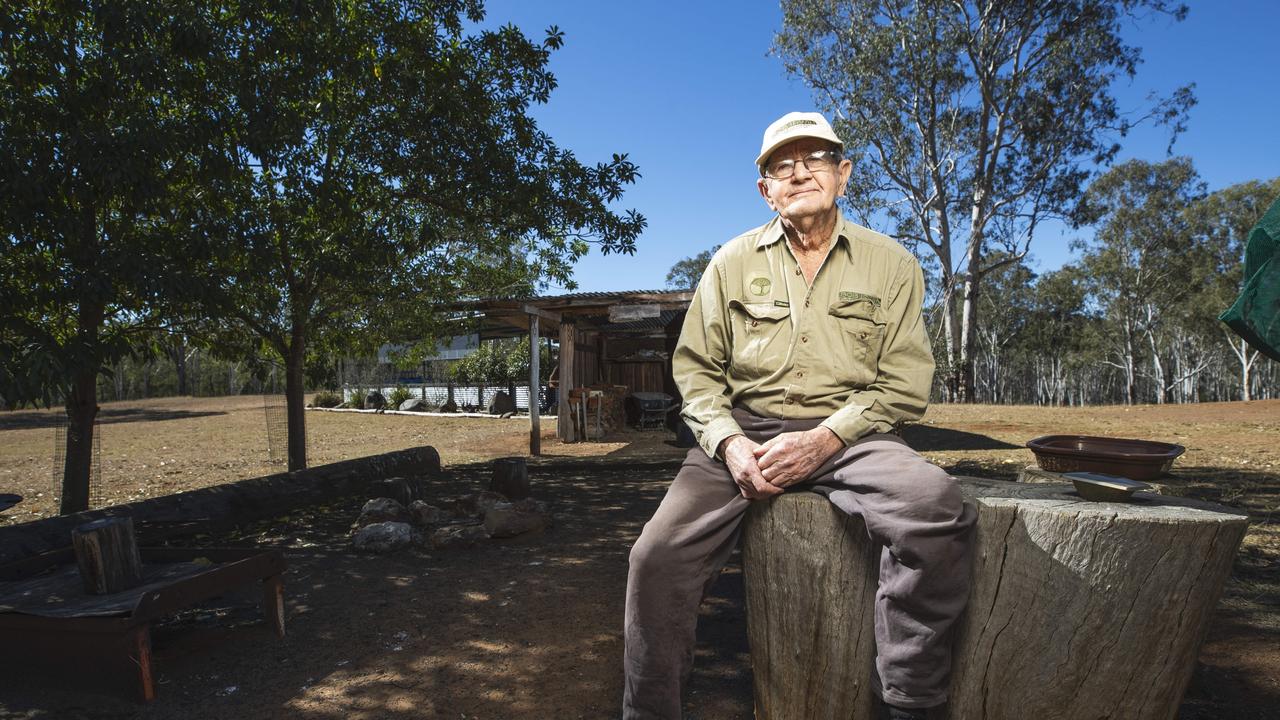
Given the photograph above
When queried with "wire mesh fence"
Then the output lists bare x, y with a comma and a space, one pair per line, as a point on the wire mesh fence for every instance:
97, 494
276, 411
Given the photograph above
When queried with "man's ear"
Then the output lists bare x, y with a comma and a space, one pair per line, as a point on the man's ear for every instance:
846, 171
762, 185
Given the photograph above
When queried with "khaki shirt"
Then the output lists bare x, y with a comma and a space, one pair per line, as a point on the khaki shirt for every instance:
850, 348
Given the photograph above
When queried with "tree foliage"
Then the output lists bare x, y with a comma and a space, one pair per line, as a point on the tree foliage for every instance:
100, 130
387, 164
687, 272
970, 123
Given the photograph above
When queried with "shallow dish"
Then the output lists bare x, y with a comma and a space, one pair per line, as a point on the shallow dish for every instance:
1105, 488
1133, 459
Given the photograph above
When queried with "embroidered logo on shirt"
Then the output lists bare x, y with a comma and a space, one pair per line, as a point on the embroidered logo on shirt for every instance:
847, 296
781, 303
760, 286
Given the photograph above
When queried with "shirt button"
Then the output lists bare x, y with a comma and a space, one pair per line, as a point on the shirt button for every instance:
789, 401
799, 373
797, 271
804, 338
755, 323
806, 303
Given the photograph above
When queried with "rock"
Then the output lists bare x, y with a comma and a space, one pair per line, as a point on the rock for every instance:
423, 514
383, 537
401, 490
381, 510
530, 505
414, 405
458, 536
477, 504
449, 406
374, 401
504, 520
501, 403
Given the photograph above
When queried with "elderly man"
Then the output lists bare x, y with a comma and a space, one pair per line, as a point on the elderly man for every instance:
803, 351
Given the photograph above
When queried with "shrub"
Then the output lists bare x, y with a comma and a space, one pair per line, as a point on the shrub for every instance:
398, 395
326, 399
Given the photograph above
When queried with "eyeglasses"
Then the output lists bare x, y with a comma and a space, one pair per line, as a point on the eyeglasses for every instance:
820, 161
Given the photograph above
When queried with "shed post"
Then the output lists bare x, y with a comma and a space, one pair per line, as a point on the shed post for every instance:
535, 424
568, 336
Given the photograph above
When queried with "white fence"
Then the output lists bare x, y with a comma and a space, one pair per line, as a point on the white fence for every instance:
463, 395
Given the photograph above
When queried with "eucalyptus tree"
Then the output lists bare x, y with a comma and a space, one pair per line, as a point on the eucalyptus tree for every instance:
971, 123
1221, 222
99, 133
388, 164
1143, 263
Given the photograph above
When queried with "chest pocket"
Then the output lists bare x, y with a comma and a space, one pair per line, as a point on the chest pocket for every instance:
761, 335
861, 327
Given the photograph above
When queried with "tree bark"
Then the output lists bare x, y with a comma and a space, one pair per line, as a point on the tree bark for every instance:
82, 411
1077, 610
107, 555
294, 388
811, 582
178, 351
510, 478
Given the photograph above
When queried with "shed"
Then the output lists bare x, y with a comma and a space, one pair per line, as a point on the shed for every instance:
617, 338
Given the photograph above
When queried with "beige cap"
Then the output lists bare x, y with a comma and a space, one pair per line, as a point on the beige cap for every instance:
793, 126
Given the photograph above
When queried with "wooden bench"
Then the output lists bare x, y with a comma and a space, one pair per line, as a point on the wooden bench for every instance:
1077, 609
47, 622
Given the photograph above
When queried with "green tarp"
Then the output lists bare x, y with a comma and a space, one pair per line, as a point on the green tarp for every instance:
1255, 316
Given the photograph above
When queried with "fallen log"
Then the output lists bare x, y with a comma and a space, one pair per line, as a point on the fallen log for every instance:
1077, 609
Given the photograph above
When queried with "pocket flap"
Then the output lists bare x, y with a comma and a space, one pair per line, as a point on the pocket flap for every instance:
862, 309
761, 311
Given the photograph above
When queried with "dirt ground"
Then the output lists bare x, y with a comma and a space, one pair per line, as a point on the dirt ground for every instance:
530, 627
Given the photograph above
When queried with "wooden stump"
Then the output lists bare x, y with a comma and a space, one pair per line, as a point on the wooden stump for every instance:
1087, 610
107, 555
1077, 609
510, 478
811, 583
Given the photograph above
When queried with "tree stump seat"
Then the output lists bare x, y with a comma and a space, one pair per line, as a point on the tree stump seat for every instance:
1077, 609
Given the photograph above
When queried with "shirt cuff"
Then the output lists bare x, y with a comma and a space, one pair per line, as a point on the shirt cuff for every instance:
850, 423
715, 433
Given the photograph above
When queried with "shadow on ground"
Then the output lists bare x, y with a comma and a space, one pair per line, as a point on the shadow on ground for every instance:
524, 628
27, 420
925, 438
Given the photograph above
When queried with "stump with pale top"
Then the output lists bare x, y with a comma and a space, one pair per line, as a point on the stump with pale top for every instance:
1077, 609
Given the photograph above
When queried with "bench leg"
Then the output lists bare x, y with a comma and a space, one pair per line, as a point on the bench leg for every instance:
138, 652
273, 603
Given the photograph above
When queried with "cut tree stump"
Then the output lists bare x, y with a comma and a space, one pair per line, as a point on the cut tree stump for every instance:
811, 583
1077, 610
107, 555
510, 478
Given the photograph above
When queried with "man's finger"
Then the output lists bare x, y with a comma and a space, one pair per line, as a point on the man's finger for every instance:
773, 455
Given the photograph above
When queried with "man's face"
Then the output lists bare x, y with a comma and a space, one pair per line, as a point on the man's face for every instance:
806, 193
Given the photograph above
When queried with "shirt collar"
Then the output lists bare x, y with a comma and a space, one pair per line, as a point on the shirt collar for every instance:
773, 231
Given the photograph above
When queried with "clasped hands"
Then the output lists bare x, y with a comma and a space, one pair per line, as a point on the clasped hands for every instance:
763, 470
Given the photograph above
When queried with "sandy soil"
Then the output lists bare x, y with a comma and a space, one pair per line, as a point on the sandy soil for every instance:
530, 627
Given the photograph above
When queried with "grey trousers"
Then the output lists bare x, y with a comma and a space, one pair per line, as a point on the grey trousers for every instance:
911, 507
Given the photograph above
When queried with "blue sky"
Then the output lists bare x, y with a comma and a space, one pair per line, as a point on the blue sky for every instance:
686, 90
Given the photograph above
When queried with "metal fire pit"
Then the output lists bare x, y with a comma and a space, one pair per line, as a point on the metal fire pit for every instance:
46, 620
